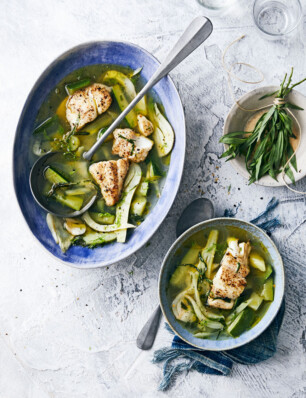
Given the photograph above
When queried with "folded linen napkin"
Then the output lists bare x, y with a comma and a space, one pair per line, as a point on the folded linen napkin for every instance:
183, 357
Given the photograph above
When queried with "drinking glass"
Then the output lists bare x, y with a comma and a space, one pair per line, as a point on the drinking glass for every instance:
277, 18
217, 4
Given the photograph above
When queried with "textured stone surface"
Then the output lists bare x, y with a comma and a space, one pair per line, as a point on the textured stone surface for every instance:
67, 333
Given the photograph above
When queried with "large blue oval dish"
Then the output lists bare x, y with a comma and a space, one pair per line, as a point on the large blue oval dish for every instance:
107, 52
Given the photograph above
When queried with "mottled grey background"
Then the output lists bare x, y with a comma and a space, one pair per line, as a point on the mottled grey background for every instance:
67, 333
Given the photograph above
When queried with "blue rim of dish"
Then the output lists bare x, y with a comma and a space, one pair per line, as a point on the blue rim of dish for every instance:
246, 337
179, 166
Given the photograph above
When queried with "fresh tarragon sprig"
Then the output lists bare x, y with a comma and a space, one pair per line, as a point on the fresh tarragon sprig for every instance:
267, 148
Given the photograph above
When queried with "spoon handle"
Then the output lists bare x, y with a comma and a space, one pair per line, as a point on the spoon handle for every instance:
196, 33
147, 335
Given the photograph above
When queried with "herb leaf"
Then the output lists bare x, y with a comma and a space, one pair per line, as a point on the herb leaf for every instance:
267, 148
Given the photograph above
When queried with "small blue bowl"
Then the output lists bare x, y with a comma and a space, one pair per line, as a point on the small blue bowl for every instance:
106, 52
169, 265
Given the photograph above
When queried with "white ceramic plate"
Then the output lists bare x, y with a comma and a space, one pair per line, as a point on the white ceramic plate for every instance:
237, 119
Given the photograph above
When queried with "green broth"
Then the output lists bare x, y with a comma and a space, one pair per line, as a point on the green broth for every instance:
50, 138
255, 279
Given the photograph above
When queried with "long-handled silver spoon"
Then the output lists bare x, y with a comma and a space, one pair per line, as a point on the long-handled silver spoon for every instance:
196, 33
199, 210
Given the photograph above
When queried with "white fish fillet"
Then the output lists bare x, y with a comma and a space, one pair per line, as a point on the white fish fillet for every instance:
130, 145
229, 282
144, 125
86, 104
110, 176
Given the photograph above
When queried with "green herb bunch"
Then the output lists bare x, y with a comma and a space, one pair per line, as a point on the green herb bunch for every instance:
267, 148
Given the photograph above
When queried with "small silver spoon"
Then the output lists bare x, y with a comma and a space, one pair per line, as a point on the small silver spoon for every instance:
197, 211
196, 33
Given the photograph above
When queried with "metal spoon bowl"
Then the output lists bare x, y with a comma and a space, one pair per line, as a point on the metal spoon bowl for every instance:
197, 211
35, 174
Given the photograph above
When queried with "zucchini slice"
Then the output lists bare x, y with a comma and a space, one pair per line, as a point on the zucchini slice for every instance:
143, 188
74, 202
192, 256
102, 218
116, 77
153, 173
181, 277
256, 261
259, 278
267, 292
138, 205
122, 101
255, 301
93, 239
102, 121
77, 85
54, 176
241, 323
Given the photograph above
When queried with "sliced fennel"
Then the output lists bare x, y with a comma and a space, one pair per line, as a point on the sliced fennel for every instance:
196, 308
105, 228
188, 314
123, 207
59, 233
51, 226
191, 293
163, 134
208, 314
209, 251
183, 314
194, 284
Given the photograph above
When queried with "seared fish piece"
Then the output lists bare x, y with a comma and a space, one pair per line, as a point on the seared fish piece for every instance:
238, 253
101, 96
218, 303
110, 176
86, 104
144, 125
229, 282
130, 145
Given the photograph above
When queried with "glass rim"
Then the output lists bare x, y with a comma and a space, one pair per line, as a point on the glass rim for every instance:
279, 34
212, 8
